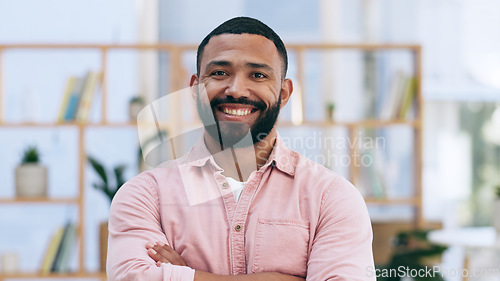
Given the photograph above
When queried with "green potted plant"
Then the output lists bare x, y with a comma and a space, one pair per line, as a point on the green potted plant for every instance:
412, 251
31, 176
135, 105
109, 188
496, 210
330, 110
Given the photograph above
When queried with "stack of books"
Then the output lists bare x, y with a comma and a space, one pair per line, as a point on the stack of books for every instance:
400, 99
78, 96
61, 246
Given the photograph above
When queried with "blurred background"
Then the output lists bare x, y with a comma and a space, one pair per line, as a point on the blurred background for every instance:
410, 87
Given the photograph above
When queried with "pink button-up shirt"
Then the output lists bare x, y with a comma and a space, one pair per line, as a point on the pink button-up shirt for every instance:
294, 217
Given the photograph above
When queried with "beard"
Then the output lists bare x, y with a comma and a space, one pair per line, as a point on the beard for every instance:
235, 134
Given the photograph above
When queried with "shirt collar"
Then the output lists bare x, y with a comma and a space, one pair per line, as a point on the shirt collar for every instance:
281, 156
198, 155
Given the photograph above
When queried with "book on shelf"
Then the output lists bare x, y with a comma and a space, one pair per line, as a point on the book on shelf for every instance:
78, 97
400, 97
51, 251
371, 175
362, 182
66, 247
59, 250
74, 99
408, 97
91, 82
67, 93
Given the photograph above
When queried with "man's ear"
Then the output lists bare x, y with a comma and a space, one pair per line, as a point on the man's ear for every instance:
286, 91
194, 86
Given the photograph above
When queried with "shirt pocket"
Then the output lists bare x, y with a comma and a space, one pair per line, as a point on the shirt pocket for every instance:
281, 246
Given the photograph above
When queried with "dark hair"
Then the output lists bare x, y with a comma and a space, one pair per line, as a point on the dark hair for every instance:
240, 25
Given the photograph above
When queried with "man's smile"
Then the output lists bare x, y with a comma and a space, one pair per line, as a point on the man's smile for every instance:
236, 109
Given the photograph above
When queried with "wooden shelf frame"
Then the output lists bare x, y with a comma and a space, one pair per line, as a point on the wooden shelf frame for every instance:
86, 275
39, 200
353, 124
175, 83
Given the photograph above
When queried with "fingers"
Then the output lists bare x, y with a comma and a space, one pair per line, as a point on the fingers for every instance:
157, 257
162, 253
170, 254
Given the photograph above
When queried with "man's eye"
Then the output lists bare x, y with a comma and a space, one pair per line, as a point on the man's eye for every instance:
259, 75
218, 73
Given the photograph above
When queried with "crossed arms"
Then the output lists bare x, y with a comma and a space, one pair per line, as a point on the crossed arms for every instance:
162, 253
135, 220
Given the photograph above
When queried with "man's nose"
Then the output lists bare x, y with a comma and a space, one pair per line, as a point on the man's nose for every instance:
237, 87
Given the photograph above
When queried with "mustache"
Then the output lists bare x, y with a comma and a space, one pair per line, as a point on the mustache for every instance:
229, 99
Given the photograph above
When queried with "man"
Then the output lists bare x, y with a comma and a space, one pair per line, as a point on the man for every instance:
240, 205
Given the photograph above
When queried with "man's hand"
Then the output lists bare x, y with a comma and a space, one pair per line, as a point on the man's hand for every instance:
162, 253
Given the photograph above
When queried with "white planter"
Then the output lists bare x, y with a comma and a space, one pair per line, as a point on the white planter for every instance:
495, 218
31, 180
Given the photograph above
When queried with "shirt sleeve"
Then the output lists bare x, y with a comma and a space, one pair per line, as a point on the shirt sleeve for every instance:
342, 246
134, 220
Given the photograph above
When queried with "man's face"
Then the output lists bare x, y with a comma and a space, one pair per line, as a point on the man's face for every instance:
242, 77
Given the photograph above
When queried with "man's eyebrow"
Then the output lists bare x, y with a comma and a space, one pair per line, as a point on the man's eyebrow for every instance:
219, 63
259, 65
248, 64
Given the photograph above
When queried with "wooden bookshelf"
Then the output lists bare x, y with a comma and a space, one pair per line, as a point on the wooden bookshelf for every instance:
177, 82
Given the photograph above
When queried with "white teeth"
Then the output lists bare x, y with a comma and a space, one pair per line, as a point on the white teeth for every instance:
239, 112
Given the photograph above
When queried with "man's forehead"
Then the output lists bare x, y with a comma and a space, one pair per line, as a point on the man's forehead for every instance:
235, 38
260, 48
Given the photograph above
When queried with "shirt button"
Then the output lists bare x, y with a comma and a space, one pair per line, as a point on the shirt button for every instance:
225, 185
237, 227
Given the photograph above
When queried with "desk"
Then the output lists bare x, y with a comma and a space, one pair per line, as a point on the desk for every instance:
466, 238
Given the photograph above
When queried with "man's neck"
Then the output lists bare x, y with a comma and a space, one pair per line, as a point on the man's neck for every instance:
240, 162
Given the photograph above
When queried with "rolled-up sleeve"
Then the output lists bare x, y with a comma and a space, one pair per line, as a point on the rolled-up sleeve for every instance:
342, 246
134, 220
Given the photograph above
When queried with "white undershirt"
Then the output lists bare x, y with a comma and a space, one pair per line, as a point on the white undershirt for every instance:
236, 187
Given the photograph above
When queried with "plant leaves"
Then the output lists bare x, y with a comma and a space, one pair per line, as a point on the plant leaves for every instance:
31, 155
410, 248
118, 171
98, 168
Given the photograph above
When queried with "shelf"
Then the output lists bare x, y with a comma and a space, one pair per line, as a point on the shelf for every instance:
69, 124
352, 124
99, 275
43, 200
393, 201
362, 46
168, 46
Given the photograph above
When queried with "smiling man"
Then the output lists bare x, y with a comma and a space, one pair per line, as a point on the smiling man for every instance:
240, 205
